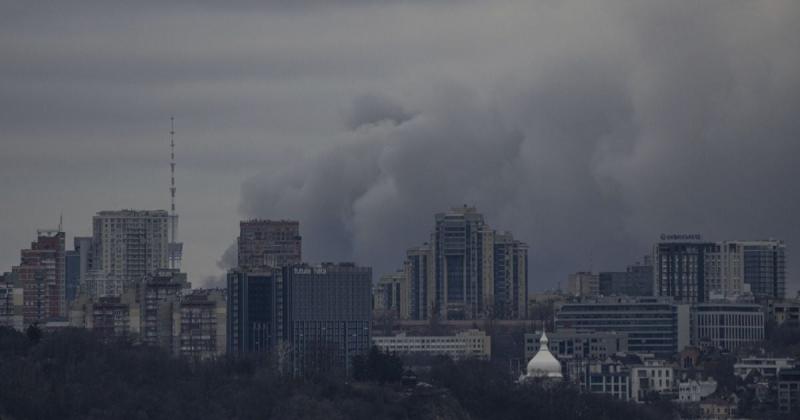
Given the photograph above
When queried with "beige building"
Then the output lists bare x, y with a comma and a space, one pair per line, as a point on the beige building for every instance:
199, 324
11, 302
583, 284
467, 344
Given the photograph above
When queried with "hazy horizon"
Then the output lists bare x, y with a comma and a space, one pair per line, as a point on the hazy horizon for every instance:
586, 129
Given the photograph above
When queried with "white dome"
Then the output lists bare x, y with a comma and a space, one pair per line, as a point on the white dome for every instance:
544, 364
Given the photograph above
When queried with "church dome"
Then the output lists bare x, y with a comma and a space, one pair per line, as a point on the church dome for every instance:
544, 364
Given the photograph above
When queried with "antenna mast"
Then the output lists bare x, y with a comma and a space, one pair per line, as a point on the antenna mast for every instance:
175, 248
172, 166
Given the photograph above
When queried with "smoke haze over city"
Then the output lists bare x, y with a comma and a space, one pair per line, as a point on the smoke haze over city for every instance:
586, 129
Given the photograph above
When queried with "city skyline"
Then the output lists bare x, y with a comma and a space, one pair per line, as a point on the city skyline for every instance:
586, 129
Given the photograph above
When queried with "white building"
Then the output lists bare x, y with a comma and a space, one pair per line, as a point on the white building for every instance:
655, 376
467, 344
767, 367
727, 326
130, 244
694, 391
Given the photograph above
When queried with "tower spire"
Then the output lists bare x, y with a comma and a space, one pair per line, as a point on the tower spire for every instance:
172, 163
175, 247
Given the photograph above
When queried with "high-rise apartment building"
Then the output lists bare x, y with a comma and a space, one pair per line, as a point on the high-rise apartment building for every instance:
691, 269
328, 316
159, 297
679, 267
765, 267
201, 324
458, 257
72, 274
256, 311
509, 281
41, 273
468, 271
130, 244
418, 272
267, 244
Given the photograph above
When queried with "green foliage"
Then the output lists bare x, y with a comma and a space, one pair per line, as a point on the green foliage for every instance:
378, 367
783, 340
73, 374
487, 392
34, 333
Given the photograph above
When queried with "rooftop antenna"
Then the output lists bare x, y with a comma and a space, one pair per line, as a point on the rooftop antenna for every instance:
61, 222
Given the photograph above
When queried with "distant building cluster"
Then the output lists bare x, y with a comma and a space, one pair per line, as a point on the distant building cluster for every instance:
653, 331
466, 271
314, 318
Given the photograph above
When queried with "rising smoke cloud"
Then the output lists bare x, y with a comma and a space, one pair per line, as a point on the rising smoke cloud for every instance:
683, 122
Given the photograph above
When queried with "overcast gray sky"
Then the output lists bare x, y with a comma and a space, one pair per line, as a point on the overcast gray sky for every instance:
586, 128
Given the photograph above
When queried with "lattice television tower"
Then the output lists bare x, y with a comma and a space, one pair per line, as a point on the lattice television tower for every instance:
175, 248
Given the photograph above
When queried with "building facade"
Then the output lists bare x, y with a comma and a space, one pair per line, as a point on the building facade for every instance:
637, 280
459, 266
11, 302
766, 367
41, 273
727, 326
268, 244
653, 325
390, 296
463, 345
130, 244
695, 391
418, 272
654, 379
160, 295
765, 267
785, 312
569, 344
583, 284
679, 269
328, 316
467, 271
509, 281
256, 311
201, 324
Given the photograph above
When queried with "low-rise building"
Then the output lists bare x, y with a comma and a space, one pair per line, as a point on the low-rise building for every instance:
651, 378
569, 344
609, 377
467, 344
766, 367
654, 325
784, 311
789, 391
694, 390
719, 409
727, 326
